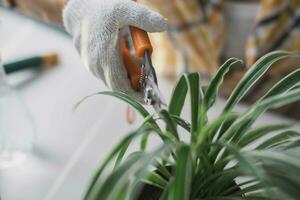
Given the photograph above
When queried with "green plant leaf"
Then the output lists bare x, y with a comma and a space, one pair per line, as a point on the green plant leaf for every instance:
171, 125
254, 112
252, 197
238, 186
122, 153
182, 123
144, 141
148, 162
99, 171
183, 174
249, 189
211, 91
127, 99
137, 163
278, 138
250, 78
241, 125
166, 193
286, 84
205, 185
123, 193
121, 96
193, 81
293, 144
213, 87
178, 97
246, 164
257, 133
225, 126
211, 164
144, 128
155, 180
116, 180
281, 170
211, 129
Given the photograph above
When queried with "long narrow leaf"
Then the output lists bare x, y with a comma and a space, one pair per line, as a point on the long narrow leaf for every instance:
148, 162
289, 82
171, 125
127, 99
211, 129
182, 123
250, 78
124, 142
193, 85
239, 127
281, 137
116, 180
136, 164
282, 171
213, 87
178, 97
254, 112
257, 133
155, 180
122, 153
183, 174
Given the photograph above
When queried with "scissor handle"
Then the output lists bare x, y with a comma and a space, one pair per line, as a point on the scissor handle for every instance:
141, 41
133, 69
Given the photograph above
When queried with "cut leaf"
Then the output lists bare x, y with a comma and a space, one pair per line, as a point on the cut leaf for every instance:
213, 87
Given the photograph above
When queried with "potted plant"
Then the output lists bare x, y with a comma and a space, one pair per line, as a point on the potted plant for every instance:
224, 158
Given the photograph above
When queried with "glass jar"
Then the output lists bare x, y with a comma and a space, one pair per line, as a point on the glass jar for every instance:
16, 127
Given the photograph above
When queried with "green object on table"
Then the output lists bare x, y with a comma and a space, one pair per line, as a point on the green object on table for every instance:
36, 62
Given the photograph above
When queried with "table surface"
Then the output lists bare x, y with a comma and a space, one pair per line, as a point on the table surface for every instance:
69, 145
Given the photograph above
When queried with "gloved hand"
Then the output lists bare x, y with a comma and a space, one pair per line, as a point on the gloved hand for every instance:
95, 26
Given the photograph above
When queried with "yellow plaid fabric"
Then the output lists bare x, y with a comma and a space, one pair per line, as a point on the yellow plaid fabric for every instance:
9, 3
278, 27
196, 34
195, 37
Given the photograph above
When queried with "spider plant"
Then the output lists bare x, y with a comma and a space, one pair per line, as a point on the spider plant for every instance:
225, 158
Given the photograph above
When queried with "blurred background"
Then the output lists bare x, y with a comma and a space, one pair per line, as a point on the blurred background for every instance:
64, 139
43, 79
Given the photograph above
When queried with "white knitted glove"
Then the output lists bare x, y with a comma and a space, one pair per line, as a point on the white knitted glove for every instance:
95, 26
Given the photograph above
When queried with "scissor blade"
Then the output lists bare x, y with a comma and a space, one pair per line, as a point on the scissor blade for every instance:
152, 93
149, 69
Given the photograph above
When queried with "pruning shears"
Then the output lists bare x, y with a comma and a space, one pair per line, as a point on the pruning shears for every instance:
142, 75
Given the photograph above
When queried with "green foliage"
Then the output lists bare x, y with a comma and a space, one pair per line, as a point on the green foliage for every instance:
219, 162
